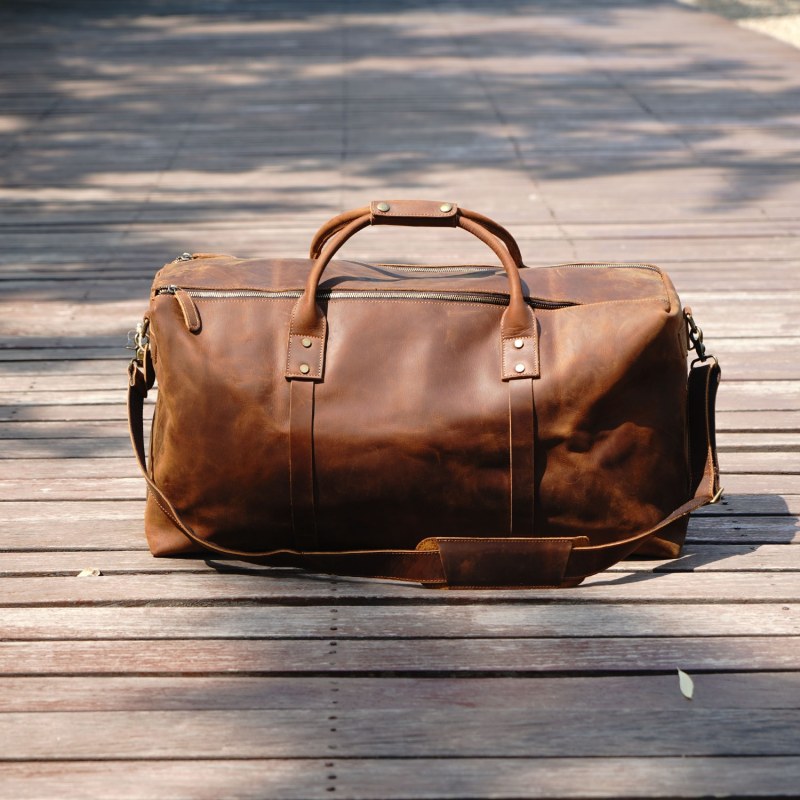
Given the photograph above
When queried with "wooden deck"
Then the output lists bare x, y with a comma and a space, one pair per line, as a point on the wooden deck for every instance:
133, 131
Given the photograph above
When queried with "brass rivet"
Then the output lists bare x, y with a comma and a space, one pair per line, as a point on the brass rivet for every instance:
445, 207
383, 206
519, 343
517, 368
306, 342
304, 368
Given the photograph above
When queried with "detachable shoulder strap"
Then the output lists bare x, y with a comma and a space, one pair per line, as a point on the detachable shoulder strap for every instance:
466, 562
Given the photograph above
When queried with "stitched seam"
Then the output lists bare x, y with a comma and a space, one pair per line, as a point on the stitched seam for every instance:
510, 586
289, 350
292, 337
650, 299
169, 515
495, 539
440, 214
666, 290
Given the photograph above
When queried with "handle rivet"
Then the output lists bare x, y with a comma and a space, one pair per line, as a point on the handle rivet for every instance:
517, 368
519, 344
383, 206
306, 342
304, 368
445, 207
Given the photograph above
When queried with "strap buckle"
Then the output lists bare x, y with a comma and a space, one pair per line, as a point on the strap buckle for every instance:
139, 342
695, 337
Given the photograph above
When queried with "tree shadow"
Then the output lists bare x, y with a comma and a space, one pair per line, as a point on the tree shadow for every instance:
125, 119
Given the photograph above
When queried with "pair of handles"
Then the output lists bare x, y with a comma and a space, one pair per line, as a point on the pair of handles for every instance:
308, 327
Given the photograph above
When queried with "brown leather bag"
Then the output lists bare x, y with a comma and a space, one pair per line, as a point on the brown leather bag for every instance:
453, 426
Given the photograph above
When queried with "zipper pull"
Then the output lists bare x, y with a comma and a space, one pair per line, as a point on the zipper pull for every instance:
184, 257
191, 316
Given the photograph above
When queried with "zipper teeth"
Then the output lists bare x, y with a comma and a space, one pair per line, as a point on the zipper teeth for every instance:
434, 268
486, 298
611, 265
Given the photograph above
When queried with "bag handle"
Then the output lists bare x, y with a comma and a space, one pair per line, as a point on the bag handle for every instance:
336, 224
456, 562
308, 320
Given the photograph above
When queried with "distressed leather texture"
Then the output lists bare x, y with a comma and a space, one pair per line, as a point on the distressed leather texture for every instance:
476, 426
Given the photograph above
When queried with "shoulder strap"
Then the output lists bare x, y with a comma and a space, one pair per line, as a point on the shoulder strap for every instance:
461, 562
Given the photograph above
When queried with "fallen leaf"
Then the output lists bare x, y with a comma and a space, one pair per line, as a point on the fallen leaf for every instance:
686, 684
89, 572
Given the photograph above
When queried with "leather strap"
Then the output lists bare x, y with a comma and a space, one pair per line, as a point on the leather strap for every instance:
448, 561
301, 464
521, 416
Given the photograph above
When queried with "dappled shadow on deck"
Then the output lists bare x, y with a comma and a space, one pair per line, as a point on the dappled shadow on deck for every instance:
146, 127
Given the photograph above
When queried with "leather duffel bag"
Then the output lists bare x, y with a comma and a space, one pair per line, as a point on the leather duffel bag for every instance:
456, 426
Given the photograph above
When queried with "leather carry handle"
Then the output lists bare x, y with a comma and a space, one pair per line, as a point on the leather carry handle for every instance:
307, 318
455, 562
333, 226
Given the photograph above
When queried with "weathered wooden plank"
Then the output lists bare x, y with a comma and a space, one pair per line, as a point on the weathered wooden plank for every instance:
743, 441
555, 621
55, 429
14, 351
287, 779
60, 362
290, 588
55, 381
77, 396
764, 462
749, 504
17, 513
759, 485
60, 413
780, 690
73, 535
55, 467
367, 733
71, 488
695, 558
752, 530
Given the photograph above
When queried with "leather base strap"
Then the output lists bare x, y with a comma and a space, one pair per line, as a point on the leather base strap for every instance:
455, 562
521, 416
301, 464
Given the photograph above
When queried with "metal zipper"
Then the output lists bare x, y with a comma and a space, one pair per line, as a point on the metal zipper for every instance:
486, 298
610, 265
434, 267
464, 267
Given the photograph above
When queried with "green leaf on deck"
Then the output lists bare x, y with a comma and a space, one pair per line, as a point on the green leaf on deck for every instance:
686, 684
